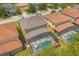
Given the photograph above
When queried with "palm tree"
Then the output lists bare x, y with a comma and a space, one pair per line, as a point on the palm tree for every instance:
42, 6
60, 6
32, 9
18, 11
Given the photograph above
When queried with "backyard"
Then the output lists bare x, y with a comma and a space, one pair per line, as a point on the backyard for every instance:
63, 50
70, 49
25, 52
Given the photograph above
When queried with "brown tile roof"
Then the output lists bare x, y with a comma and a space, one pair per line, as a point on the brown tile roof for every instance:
63, 26
11, 26
76, 21
10, 46
72, 12
5, 34
22, 6
57, 17
8, 31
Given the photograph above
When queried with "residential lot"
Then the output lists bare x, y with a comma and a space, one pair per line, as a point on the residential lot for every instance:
36, 32
40, 29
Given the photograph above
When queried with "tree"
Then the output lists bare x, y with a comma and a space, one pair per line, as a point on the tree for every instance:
3, 12
18, 11
64, 5
55, 6
32, 9
42, 6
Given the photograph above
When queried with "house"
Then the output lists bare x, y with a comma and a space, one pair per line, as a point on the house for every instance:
22, 6
71, 12
59, 24
36, 33
55, 19
9, 39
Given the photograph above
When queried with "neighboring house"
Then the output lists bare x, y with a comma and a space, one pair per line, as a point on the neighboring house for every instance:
76, 6
59, 24
9, 39
22, 6
71, 12
10, 8
56, 19
76, 22
36, 32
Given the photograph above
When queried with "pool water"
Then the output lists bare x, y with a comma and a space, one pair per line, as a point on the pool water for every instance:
43, 45
69, 36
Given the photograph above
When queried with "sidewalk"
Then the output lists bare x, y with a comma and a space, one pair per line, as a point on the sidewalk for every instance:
48, 11
11, 19
25, 15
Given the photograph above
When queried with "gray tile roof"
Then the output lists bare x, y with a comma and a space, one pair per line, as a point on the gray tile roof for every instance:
33, 26
31, 22
36, 33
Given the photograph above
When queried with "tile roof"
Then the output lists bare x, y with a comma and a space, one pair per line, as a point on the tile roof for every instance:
72, 12
7, 33
10, 46
63, 26
35, 33
31, 22
11, 26
22, 4
57, 17
76, 21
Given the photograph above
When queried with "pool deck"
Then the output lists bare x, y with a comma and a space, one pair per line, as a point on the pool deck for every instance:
37, 42
65, 34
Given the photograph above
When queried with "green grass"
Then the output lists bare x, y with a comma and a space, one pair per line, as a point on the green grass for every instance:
70, 49
25, 52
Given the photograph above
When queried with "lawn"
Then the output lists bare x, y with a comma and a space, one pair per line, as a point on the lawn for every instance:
69, 49
25, 52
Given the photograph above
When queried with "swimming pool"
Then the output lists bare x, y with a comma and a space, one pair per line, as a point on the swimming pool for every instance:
43, 45
41, 41
67, 37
